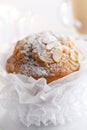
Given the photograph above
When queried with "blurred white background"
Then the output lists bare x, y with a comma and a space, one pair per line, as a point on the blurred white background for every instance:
43, 7
19, 18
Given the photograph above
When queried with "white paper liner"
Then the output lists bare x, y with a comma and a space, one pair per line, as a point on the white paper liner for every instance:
34, 101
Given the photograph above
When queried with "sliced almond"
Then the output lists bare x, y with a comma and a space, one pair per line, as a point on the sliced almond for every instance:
57, 54
46, 59
66, 49
74, 56
52, 45
74, 65
70, 44
80, 57
63, 41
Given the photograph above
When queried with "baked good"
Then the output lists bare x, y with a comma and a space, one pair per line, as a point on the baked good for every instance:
45, 54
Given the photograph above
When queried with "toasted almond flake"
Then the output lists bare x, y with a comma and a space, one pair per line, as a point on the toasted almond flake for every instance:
49, 46
53, 45
80, 57
63, 42
74, 64
65, 49
46, 59
70, 44
74, 56
57, 54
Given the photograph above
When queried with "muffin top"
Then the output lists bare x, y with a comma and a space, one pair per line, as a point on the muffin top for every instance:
45, 54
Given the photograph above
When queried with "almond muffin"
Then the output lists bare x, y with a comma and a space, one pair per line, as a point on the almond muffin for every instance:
45, 54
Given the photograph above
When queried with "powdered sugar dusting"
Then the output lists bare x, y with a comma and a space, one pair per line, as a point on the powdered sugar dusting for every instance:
43, 51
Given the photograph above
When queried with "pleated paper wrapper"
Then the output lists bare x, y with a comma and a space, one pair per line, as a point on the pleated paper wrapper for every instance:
33, 102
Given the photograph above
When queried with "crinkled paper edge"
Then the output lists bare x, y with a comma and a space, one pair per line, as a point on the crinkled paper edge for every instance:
34, 101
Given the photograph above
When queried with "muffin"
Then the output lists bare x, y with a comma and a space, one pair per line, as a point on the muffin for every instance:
46, 55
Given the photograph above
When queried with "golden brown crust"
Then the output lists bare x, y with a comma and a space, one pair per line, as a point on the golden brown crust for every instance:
56, 77
52, 60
